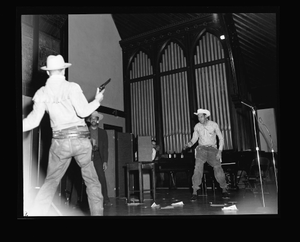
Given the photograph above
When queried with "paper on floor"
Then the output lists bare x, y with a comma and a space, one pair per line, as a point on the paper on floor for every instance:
177, 204
154, 205
217, 205
167, 207
230, 208
134, 204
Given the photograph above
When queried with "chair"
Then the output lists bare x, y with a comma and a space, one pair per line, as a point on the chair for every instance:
252, 181
141, 167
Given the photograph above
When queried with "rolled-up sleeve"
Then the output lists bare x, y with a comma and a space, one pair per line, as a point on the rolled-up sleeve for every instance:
195, 136
79, 102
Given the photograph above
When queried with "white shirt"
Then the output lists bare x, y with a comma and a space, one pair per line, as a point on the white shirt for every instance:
153, 153
206, 134
64, 101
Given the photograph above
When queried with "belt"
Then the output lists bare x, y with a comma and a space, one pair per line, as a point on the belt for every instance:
206, 146
69, 135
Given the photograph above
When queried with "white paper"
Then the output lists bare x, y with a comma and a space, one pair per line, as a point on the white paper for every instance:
218, 205
177, 204
154, 205
230, 208
134, 204
167, 207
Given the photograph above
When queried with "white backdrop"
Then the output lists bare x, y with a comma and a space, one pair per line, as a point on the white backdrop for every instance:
267, 116
96, 56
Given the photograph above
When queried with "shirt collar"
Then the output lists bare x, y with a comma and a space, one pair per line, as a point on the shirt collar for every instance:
56, 77
94, 128
207, 123
55, 81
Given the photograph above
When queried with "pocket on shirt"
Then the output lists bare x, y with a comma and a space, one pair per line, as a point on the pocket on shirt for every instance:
211, 133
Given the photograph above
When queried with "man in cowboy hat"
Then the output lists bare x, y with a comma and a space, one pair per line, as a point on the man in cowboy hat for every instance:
67, 108
205, 133
100, 152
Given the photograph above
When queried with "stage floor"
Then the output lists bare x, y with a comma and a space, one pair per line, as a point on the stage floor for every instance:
246, 203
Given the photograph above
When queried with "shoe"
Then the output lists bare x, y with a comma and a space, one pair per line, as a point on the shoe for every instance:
194, 197
108, 203
225, 194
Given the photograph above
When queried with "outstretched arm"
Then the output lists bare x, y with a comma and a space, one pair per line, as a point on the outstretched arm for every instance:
81, 105
194, 139
34, 118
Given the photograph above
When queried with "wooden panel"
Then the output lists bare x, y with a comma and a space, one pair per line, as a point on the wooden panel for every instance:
124, 155
110, 173
144, 148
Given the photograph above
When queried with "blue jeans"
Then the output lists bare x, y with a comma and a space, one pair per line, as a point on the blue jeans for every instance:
207, 154
60, 154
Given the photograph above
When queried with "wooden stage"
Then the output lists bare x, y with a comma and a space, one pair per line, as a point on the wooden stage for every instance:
245, 201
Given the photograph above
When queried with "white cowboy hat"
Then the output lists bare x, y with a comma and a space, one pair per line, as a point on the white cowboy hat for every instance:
95, 114
55, 63
205, 111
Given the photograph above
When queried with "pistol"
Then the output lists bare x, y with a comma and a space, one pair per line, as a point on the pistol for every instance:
103, 85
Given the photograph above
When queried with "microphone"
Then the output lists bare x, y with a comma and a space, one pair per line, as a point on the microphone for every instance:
246, 104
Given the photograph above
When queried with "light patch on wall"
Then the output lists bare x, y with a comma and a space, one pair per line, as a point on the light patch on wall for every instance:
267, 129
96, 55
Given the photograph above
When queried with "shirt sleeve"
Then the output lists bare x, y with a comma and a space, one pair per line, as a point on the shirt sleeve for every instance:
195, 136
35, 116
220, 136
81, 105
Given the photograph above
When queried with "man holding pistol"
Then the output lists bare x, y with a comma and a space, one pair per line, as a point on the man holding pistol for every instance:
67, 108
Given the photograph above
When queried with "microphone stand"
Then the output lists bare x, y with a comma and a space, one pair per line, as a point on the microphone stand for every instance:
257, 151
272, 151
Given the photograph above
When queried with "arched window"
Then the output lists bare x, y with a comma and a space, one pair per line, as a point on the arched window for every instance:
142, 96
211, 83
174, 96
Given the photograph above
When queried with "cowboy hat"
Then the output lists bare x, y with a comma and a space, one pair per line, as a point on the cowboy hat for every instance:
55, 63
205, 111
95, 114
